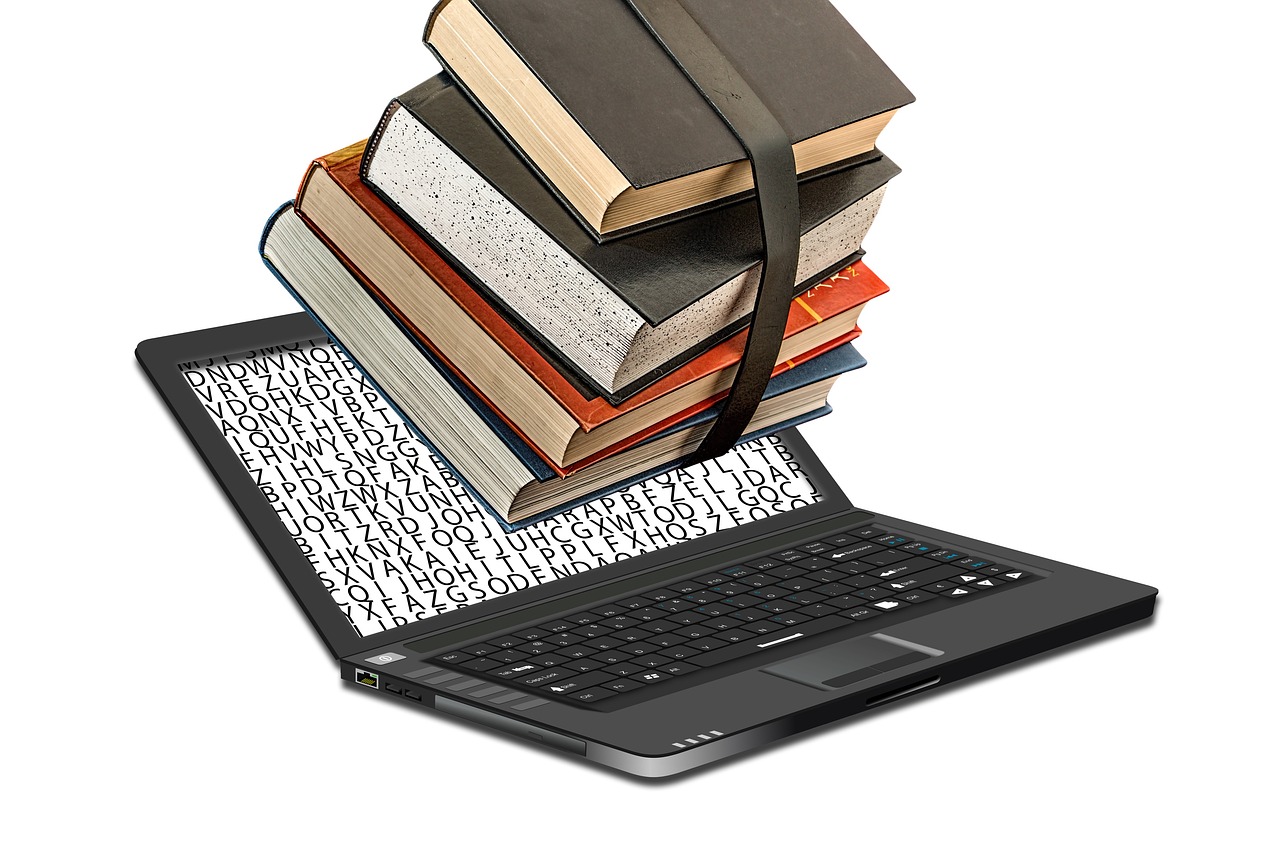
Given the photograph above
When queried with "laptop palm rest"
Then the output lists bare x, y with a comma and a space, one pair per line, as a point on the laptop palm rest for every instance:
846, 663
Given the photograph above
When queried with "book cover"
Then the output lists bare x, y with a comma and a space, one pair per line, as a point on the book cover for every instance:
594, 78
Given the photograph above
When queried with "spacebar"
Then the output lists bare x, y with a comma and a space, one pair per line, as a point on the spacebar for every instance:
767, 642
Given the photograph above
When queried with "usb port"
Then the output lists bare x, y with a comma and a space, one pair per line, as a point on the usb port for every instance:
392, 688
409, 694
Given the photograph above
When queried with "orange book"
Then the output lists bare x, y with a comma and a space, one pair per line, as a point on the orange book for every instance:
566, 424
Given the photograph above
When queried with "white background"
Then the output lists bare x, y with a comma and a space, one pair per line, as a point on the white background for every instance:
1075, 360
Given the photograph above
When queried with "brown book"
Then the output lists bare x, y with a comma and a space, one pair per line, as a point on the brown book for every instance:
569, 428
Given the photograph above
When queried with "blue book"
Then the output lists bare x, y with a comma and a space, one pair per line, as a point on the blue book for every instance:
499, 469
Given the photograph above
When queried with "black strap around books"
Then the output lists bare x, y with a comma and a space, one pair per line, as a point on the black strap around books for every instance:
773, 168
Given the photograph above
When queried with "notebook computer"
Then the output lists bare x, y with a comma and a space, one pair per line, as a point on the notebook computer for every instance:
682, 620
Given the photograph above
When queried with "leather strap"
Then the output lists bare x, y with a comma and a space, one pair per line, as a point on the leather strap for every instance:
773, 168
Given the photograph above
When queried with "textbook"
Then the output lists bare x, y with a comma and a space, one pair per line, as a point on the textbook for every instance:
595, 103
563, 419
624, 313
490, 459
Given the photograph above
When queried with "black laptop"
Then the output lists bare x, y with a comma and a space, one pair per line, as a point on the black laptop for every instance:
680, 621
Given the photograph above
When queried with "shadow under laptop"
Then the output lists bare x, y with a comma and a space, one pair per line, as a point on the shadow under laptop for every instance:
759, 753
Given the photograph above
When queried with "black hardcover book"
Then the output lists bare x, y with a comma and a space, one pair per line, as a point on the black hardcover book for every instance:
589, 97
623, 313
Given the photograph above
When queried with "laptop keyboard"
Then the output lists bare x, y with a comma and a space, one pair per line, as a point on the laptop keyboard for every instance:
686, 627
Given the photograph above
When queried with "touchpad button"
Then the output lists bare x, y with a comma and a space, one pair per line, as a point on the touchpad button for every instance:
848, 662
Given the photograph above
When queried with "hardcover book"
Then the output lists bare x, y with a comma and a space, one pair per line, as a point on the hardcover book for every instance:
596, 104
565, 421
489, 458
624, 313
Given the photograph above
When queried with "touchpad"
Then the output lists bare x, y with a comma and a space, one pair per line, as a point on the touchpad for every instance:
848, 662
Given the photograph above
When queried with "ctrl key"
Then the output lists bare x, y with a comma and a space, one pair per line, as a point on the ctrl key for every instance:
595, 694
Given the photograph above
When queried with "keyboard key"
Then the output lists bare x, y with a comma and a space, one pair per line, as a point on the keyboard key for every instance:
861, 581
915, 564
662, 595
637, 634
790, 555
987, 583
818, 610
722, 623
634, 603
873, 593
763, 565
803, 598
750, 614
973, 562
452, 657
841, 539
889, 604
734, 635
691, 617
826, 576
538, 646
915, 596
965, 578
892, 540
681, 652
582, 618
664, 641
769, 593
993, 570
777, 606
576, 652
719, 609
652, 661
659, 626
546, 676
603, 643
706, 644
940, 586
867, 532
813, 563
593, 631
791, 570
480, 649
860, 614
757, 581
610, 611
686, 587
675, 605
901, 585
611, 656
583, 665
637, 649
815, 547
617, 623
738, 571
652, 677
917, 548
648, 614
544, 660
725, 590
712, 580
1014, 576
622, 685
508, 642
508, 672
737, 650
833, 589
531, 634
579, 683
789, 618
678, 668
557, 627
853, 552
594, 695
957, 592
481, 664
704, 596
623, 669
562, 639
944, 555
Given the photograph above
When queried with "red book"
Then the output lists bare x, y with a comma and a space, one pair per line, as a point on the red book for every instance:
567, 426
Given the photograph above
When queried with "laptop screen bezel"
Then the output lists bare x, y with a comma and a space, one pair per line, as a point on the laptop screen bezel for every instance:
161, 358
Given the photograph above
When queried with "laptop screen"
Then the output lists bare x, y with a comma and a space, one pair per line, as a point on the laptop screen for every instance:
392, 533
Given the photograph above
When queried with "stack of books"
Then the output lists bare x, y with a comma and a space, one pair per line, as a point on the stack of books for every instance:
546, 257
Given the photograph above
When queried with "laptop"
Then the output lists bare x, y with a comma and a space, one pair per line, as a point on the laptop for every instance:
680, 621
